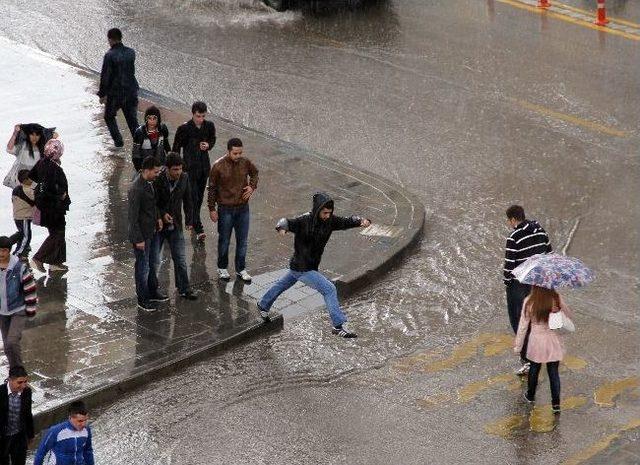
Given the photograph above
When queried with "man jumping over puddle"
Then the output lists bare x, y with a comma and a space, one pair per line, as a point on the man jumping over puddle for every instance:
312, 232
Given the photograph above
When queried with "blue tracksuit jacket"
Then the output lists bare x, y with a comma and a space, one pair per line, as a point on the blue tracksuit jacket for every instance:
68, 445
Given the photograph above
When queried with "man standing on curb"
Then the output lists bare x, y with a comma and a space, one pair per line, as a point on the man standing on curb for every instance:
527, 239
195, 138
232, 182
69, 442
144, 223
118, 86
16, 418
173, 193
18, 300
312, 232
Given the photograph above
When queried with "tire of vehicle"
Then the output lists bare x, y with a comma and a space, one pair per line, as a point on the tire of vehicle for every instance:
278, 5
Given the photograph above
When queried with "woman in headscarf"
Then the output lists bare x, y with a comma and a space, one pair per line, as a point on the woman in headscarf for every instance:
52, 199
27, 148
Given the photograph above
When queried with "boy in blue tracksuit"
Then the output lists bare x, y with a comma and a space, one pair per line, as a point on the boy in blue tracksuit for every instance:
70, 441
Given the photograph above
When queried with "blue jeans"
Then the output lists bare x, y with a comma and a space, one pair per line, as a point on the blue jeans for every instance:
230, 219
175, 238
313, 279
145, 270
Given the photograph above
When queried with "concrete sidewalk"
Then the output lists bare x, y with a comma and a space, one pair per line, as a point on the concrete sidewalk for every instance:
88, 339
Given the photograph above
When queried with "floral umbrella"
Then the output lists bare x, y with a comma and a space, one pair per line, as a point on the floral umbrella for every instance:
553, 271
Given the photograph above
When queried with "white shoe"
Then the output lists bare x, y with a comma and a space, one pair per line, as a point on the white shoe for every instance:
223, 274
524, 369
246, 277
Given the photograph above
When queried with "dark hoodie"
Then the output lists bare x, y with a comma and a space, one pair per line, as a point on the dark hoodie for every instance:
526, 240
312, 234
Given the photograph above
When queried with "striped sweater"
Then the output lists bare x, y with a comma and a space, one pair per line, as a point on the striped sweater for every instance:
17, 289
526, 240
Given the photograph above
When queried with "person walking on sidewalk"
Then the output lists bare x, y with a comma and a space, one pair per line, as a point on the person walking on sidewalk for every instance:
232, 182
312, 232
528, 238
144, 224
16, 418
545, 345
118, 86
27, 151
193, 140
69, 442
173, 194
151, 138
52, 200
18, 300
22, 199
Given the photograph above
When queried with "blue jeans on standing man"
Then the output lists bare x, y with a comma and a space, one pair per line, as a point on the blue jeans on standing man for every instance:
314, 280
233, 219
175, 238
145, 270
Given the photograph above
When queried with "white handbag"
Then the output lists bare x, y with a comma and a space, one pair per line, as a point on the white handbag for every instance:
559, 321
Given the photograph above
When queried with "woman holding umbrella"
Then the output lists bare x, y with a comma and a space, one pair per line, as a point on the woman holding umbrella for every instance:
546, 273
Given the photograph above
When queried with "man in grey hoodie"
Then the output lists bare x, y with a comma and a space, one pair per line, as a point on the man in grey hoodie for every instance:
144, 223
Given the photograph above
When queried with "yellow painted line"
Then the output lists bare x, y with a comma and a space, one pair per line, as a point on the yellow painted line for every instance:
543, 420
571, 119
593, 13
569, 19
605, 396
600, 445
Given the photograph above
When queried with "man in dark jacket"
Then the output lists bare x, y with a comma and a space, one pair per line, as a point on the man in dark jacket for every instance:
16, 418
312, 232
195, 138
118, 86
528, 238
144, 222
173, 194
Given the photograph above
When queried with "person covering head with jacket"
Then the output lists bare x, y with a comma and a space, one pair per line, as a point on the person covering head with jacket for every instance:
150, 139
18, 300
16, 417
312, 232
69, 442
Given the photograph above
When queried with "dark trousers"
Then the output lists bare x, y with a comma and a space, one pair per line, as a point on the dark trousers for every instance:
13, 449
554, 381
54, 248
233, 219
175, 238
198, 182
22, 238
516, 293
145, 270
129, 106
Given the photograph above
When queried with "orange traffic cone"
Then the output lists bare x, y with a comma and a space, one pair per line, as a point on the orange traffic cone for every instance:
544, 4
601, 18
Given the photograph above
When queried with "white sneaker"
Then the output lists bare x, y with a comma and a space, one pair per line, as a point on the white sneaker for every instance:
246, 277
223, 274
524, 369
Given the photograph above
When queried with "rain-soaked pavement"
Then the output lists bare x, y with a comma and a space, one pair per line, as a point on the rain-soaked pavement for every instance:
470, 104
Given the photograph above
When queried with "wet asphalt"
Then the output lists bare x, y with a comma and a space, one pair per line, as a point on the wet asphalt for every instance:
472, 105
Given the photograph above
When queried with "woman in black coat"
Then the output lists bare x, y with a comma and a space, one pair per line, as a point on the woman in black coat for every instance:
52, 199
152, 138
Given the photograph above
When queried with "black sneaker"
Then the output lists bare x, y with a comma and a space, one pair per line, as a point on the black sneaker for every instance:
188, 295
148, 306
555, 409
159, 297
118, 143
264, 314
527, 400
343, 332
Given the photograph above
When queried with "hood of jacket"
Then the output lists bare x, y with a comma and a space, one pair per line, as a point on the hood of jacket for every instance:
320, 200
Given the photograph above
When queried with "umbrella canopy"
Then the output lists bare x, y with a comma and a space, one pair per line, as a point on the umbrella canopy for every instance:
553, 271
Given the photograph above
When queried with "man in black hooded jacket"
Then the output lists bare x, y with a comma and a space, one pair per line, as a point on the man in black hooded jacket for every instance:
312, 232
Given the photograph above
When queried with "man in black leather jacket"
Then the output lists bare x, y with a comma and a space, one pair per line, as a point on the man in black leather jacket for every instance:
118, 86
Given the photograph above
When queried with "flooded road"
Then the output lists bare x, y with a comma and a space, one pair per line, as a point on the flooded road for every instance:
471, 104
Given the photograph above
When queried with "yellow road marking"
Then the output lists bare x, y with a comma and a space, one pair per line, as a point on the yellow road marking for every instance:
600, 445
571, 119
593, 13
605, 395
504, 426
574, 363
542, 419
569, 19
493, 344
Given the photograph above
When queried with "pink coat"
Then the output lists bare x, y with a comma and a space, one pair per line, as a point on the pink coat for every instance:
545, 345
